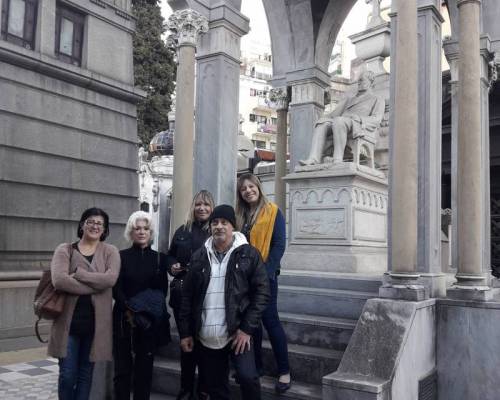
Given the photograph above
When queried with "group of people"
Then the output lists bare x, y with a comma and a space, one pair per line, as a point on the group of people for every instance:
225, 265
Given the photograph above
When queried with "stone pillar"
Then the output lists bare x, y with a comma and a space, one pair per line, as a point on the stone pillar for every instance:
185, 25
217, 121
429, 146
280, 98
306, 106
404, 168
472, 148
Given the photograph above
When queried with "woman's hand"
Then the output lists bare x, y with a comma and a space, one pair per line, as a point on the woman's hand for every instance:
176, 268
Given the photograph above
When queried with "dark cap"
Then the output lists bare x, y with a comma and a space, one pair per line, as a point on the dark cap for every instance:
224, 211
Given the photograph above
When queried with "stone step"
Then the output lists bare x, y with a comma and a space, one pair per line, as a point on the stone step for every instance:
334, 303
307, 364
331, 280
166, 380
317, 331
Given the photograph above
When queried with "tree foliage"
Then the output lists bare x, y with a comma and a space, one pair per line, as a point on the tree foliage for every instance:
154, 69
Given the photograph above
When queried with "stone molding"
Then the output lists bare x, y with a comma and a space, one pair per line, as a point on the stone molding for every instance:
186, 25
460, 3
328, 195
86, 80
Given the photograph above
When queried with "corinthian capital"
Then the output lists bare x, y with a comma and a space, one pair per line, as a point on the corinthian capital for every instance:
186, 25
279, 97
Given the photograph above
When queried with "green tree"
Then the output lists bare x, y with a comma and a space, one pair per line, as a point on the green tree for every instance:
154, 69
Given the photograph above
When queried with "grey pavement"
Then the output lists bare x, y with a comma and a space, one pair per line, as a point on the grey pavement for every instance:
36, 380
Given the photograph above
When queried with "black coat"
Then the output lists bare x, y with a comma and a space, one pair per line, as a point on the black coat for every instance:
141, 269
183, 245
246, 291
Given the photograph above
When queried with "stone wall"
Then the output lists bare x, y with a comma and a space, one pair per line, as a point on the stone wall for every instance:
68, 141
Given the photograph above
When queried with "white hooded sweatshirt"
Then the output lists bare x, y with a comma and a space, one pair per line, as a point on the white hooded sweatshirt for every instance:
213, 333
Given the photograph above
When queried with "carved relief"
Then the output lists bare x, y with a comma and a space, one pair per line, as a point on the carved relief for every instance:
327, 222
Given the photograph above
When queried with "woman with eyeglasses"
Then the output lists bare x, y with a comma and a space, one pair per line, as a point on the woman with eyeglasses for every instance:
186, 240
86, 270
140, 318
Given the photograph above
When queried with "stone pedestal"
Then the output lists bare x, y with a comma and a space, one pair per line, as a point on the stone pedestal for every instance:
337, 219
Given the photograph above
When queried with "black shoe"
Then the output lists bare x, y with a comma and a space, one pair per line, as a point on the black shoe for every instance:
282, 387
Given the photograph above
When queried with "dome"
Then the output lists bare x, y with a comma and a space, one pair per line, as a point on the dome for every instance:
162, 144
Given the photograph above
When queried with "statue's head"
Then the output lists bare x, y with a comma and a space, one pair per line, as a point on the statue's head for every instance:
366, 80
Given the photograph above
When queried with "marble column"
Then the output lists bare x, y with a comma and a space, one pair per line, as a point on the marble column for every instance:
429, 147
217, 121
404, 168
471, 280
279, 97
185, 25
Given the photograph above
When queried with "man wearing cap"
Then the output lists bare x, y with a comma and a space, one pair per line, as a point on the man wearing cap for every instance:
226, 290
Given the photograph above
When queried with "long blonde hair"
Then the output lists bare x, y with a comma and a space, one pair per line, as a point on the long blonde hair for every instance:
203, 195
243, 211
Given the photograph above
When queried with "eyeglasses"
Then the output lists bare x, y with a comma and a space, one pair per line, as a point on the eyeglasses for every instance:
97, 224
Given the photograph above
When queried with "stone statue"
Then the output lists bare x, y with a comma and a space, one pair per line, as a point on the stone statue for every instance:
354, 117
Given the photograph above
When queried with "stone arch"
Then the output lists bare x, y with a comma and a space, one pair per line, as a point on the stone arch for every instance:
303, 32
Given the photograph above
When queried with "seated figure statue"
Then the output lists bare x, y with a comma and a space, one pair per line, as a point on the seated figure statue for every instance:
354, 117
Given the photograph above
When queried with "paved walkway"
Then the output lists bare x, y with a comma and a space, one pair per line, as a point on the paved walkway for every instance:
33, 380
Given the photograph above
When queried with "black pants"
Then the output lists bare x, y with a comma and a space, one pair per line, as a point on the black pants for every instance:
213, 370
133, 351
188, 360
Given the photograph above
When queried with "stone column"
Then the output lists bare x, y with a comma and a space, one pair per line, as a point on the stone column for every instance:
185, 25
306, 106
471, 279
217, 121
280, 98
429, 146
404, 168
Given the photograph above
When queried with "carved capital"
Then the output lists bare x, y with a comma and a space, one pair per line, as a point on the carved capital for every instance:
492, 70
279, 97
185, 26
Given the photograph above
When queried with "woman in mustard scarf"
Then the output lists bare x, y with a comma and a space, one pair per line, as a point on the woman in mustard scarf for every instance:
264, 226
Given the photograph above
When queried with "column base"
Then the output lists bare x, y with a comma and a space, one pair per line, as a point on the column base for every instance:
436, 284
403, 287
474, 293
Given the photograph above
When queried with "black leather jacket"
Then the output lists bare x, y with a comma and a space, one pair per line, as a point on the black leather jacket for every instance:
246, 291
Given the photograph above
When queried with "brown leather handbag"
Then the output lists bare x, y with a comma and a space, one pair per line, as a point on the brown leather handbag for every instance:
49, 302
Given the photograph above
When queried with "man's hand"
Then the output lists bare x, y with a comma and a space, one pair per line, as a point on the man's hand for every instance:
176, 268
187, 344
240, 341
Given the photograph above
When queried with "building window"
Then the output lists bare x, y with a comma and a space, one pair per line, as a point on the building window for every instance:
253, 92
274, 121
260, 144
19, 22
69, 35
261, 119
251, 117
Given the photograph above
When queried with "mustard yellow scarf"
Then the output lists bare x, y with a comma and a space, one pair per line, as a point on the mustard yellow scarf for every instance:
262, 230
